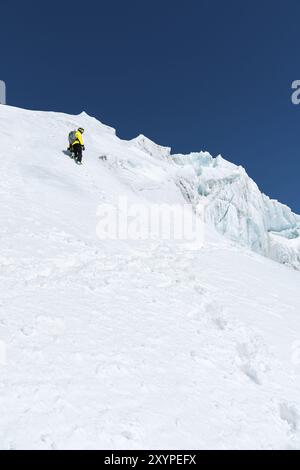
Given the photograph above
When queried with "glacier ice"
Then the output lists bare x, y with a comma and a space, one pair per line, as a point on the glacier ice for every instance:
238, 209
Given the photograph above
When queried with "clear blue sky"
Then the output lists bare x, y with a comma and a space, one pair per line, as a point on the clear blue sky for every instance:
195, 74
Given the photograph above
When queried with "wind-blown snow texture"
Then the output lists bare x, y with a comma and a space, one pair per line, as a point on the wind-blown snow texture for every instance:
141, 345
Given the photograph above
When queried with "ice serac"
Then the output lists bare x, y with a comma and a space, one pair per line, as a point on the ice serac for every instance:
238, 209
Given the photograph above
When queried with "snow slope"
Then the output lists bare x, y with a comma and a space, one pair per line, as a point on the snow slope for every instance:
136, 345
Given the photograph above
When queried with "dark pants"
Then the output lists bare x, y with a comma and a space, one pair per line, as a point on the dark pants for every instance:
77, 149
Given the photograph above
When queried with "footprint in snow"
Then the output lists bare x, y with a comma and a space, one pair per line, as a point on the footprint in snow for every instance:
290, 415
251, 360
214, 312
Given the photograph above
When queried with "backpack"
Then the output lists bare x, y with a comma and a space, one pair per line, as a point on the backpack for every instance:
72, 137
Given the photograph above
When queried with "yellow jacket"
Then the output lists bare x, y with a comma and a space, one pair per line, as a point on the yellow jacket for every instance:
79, 139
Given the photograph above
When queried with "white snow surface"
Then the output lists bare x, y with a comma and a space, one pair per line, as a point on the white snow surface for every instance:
144, 345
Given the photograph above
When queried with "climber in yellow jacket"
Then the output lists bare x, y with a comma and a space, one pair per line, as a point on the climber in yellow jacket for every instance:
76, 145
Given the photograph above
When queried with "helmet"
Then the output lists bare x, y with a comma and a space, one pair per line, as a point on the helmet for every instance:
81, 130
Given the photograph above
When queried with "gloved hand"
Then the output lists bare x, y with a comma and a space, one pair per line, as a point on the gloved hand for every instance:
83, 147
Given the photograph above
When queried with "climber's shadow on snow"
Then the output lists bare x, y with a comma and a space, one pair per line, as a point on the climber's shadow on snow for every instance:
67, 153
